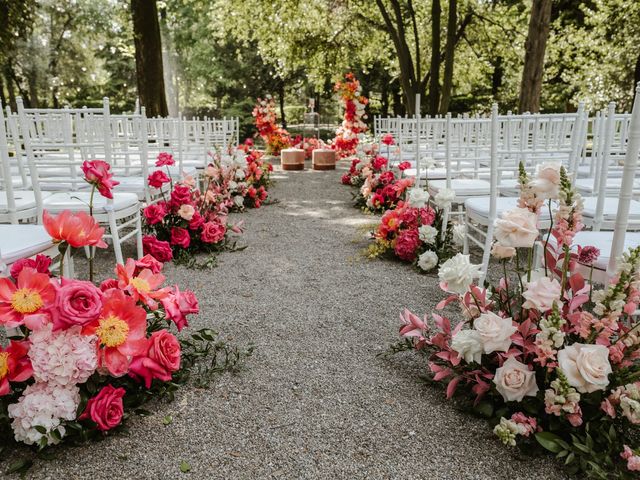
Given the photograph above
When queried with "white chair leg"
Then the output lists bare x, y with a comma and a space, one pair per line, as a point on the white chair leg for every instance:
486, 254
139, 235
113, 229
465, 244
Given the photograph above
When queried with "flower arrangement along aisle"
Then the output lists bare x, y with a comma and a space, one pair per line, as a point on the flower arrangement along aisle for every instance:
188, 222
549, 359
413, 231
275, 137
347, 139
81, 357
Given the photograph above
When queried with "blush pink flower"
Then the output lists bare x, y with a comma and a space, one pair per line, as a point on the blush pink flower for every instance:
186, 211
542, 294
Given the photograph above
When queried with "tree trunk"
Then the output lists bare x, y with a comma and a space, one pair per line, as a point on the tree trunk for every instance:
10, 92
449, 50
535, 47
149, 71
283, 118
434, 85
398, 106
636, 78
496, 77
384, 110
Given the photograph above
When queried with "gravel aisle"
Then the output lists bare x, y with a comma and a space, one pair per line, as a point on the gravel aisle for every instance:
314, 401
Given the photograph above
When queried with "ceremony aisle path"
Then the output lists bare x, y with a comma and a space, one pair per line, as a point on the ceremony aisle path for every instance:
315, 400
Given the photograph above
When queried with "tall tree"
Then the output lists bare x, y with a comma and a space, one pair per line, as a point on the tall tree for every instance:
449, 50
149, 72
535, 47
434, 84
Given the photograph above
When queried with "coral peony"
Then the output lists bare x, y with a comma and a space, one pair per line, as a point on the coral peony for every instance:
77, 229
15, 365
148, 262
142, 285
98, 174
41, 264
30, 296
105, 409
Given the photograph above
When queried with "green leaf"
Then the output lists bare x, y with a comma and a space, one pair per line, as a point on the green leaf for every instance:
40, 429
549, 441
185, 467
21, 465
168, 420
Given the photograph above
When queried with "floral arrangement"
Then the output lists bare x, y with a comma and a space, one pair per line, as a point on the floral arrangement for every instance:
81, 357
189, 221
551, 360
308, 145
275, 138
346, 139
381, 191
413, 231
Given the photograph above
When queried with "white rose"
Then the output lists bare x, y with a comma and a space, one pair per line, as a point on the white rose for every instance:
547, 181
232, 185
459, 232
427, 233
501, 252
240, 174
517, 228
495, 332
587, 367
427, 260
515, 381
239, 201
418, 197
468, 345
444, 197
458, 273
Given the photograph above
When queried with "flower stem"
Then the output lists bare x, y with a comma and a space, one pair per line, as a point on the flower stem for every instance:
91, 249
546, 242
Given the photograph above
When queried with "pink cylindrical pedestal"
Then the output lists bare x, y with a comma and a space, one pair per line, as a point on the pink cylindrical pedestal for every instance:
292, 159
324, 159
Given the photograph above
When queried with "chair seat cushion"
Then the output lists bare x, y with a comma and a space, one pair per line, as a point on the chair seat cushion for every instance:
435, 173
79, 201
25, 200
602, 241
464, 187
585, 185
479, 207
610, 209
22, 241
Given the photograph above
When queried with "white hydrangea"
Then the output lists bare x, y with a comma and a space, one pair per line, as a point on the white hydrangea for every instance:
232, 186
65, 357
428, 233
44, 406
428, 260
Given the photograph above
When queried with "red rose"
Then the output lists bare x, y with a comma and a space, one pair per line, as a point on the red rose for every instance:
163, 159
379, 163
346, 179
157, 179
196, 221
404, 166
41, 264
252, 192
106, 408
212, 232
180, 237
164, 348
407, 244
388, 139
158, 249
98, 173
154, 213
390, 193
262, 194
180, 195
387, 177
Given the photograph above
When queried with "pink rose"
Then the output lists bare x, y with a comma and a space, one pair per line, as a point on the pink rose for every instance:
407, 244
108, 284
387, 177
379, 163
178, 305
196, 221
541, 294
163, 159
77, 303
147, 369
186, 211
148, 262
98, 173
157, 179
547, 182
212, 232
388, 139
106, 408
517, 228
404, 166
164, 348
158, 249
180, 237
515, 381
154, 213
41, 264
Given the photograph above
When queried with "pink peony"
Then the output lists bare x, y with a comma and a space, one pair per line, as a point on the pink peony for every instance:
407, 244
98, 173
77, 303
180, 237
157, 179
164, 159
158, 249
155, 213
212, 232
41, 264
106, 408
